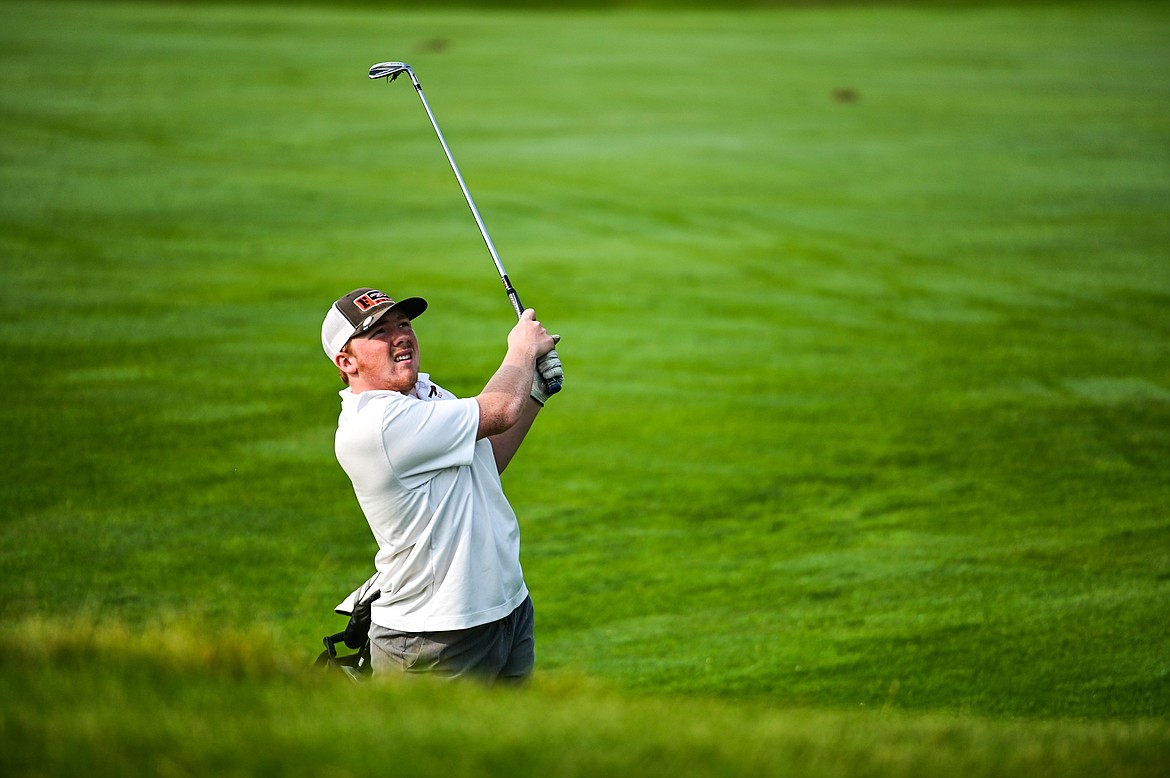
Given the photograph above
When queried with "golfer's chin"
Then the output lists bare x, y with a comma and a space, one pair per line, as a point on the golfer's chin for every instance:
404, 378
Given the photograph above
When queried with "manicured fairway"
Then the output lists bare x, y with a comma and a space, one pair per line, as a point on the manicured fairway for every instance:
866, 324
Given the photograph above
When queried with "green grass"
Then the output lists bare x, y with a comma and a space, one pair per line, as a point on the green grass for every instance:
866, 431
170, 702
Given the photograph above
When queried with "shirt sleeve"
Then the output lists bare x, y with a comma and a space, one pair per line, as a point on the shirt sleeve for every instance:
422, 438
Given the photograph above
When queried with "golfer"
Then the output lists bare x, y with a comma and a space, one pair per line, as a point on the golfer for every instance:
425, 467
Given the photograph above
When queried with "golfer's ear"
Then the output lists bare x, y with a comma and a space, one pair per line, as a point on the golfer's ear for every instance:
346, 363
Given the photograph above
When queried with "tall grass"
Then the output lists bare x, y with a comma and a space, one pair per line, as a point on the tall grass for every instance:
106, 701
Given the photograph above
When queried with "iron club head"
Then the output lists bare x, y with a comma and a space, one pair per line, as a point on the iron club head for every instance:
390, 70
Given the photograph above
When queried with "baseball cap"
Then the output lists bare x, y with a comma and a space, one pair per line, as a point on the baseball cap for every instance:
357, 312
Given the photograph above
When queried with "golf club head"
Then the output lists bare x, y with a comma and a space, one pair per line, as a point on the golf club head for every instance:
390, 70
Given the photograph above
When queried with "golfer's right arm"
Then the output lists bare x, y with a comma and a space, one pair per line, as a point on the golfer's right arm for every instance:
502, 401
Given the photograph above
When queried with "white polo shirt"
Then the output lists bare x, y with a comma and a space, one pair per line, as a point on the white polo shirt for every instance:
448, 541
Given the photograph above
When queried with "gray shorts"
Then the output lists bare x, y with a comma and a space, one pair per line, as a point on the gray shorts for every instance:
503, 650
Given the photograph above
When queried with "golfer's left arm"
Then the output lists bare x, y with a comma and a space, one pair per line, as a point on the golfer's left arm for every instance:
507, 443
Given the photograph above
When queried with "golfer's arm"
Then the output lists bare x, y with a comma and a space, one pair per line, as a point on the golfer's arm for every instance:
507, 443
502, 402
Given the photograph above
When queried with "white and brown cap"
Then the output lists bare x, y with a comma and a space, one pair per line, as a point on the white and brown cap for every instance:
357, 312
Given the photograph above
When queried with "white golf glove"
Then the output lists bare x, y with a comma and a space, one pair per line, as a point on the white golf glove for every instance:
548, 368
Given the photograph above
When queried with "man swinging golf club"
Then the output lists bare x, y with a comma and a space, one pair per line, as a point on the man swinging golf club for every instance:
426, 467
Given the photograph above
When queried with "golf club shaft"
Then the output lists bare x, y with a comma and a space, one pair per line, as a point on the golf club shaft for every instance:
392, 70
512, 295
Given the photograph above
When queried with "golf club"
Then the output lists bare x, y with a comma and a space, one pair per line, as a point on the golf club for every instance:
391, 71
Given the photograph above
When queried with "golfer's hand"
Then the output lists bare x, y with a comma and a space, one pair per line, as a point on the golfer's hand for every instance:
529, 337
549, 372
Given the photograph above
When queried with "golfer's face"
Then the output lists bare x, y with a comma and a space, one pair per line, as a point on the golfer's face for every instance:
387, 355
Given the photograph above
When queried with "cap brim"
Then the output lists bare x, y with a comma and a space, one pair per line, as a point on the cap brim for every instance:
413, 307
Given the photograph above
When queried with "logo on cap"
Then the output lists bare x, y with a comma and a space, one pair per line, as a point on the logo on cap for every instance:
371, 299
